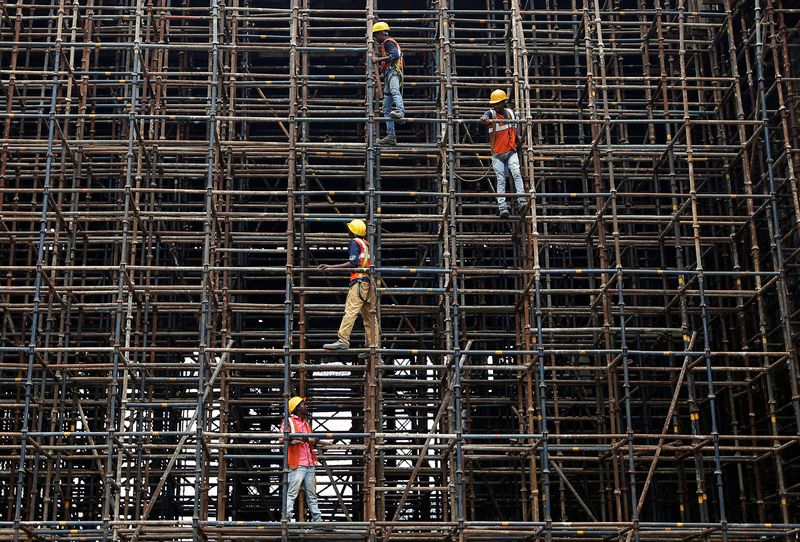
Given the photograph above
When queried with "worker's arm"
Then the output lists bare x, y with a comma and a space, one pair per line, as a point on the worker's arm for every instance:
291, 440
485, 117
377, 59
352, 259
345, 265
392, 50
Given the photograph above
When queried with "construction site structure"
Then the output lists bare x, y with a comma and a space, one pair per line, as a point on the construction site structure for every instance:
619, 363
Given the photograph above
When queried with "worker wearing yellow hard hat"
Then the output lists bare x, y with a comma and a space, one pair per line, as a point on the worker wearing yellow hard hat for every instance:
504, 138
293, 402
391, 67
498, 96
357, 227
361, 297
301, 459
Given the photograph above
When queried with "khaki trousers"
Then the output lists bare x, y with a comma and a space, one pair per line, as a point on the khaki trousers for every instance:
360, 300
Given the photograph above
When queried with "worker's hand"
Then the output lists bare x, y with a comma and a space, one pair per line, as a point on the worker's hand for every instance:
484, 120
375, 59
323, 267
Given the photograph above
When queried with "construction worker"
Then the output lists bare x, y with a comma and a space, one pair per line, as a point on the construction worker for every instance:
302, 460
361, 296
391, 66
504, 139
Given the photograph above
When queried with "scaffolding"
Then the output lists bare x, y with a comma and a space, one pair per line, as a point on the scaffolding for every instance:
618, 363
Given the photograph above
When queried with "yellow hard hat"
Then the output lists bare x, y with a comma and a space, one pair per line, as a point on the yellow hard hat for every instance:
498, 96
358, 227
293, 402
380, 27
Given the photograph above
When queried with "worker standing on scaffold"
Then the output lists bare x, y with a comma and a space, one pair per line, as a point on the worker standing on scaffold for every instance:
504, 139
391, 61
361, 297
302, 460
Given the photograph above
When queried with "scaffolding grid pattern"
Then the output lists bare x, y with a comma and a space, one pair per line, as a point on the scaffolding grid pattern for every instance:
616, 360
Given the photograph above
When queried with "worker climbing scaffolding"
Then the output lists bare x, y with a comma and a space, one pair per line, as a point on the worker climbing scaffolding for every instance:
504, 138
361, 297
391, 67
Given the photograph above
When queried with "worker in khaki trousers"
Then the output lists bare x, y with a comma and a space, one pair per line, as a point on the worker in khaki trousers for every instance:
361, 298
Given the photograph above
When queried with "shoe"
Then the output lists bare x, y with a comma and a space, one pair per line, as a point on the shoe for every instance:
504, 213
363, 355
398, 117
388, 140
338, 345
523, 209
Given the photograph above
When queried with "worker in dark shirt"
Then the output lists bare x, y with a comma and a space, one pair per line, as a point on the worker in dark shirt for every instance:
391, 63
361, 298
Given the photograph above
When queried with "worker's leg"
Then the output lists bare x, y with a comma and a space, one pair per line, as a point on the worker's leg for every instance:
352, 307
295, 481
371, 328
513, 167
388, 101
393, 82
500, 171
310, 486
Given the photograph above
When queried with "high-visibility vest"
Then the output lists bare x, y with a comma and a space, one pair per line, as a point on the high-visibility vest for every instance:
295, 449
363, 260
502, 136
386, 64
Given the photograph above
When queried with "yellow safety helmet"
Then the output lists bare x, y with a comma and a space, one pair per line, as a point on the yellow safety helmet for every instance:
293, 402
498, 96
358, 227
380, 26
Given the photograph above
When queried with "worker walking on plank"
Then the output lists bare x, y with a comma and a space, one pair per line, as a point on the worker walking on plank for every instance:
391, 63
504, 139
361, 298
302, 460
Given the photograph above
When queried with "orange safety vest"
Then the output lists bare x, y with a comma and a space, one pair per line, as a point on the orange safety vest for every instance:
502, 137
386, 64
363, 260
294, 449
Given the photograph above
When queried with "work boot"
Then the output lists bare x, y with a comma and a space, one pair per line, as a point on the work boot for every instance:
390, 139
338, 345
523, 209
504, 213
398, 117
